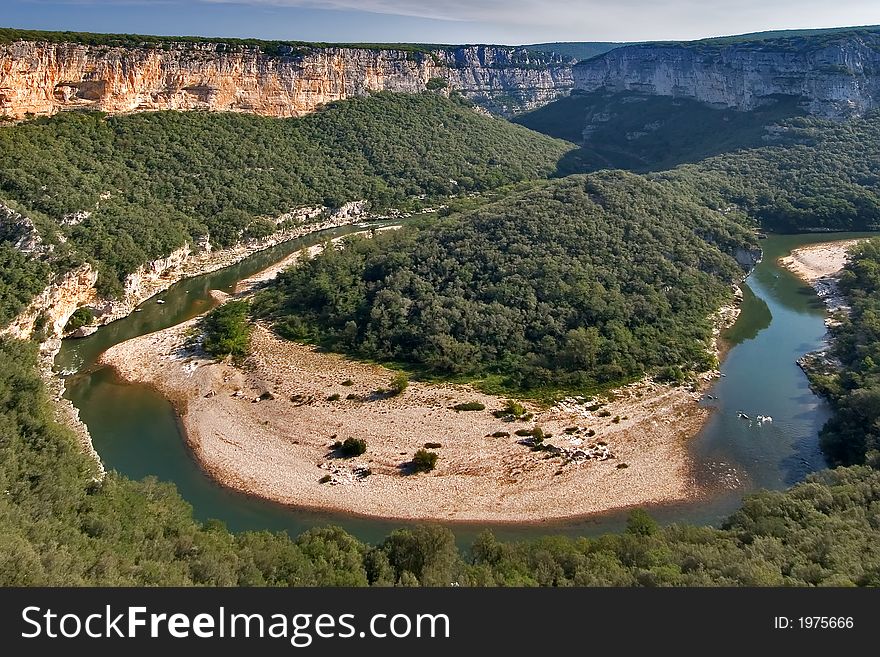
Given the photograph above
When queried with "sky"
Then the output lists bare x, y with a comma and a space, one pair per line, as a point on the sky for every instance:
438, 21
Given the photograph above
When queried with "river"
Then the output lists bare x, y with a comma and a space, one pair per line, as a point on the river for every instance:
136, 431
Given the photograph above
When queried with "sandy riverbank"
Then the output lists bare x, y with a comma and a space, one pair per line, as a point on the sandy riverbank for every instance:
278, 448
815, 261
820, 266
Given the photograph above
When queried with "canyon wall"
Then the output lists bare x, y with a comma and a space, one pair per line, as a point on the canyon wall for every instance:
42, 78
838, 76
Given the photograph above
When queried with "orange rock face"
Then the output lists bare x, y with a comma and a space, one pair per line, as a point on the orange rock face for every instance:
44, 78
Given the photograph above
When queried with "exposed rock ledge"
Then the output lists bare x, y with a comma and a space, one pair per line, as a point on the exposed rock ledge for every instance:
53, 307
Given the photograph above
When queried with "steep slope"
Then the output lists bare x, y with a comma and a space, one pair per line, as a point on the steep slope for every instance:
45, 73
643, 132
814, 174
148, 189
837, 73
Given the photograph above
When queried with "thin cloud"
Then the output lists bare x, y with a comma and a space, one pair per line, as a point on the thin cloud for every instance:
575, 20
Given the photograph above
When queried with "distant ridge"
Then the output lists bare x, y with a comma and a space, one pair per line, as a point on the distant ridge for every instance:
577, 50
582, 50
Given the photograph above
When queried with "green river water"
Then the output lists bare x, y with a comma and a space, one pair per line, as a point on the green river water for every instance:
136, 432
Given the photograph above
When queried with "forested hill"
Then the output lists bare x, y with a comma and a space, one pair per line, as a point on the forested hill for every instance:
123, 190
789, 172
575, 283
815, 175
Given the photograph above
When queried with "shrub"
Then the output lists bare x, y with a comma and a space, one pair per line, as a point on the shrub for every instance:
511, 408
616, 419
433, 445
352, 447
348, 382
326, 478
80, 317
500, 434
334, 397
424, 461
671, 374
515, 408
604, 413
399, 383
470, 406
433, 84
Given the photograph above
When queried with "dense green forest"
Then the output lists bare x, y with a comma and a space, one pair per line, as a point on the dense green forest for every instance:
62, 526
21, 278
576, 283
818, 175
852, 435
152, 181
788, 172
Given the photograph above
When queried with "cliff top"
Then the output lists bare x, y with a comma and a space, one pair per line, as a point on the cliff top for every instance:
781, 40
272, 48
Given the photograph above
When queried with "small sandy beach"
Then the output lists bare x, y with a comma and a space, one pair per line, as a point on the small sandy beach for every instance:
820, 266
816, 261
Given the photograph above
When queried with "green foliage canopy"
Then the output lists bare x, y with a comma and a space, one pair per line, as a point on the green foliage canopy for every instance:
576, 283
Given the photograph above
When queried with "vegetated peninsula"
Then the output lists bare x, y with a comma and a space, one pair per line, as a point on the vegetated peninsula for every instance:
497, 296
577, 285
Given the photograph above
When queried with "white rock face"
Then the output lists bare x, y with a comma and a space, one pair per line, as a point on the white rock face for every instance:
44, 78
837, 77
20, 231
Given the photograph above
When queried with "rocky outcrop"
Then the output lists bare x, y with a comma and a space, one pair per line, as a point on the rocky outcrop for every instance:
837, 75
42, 78
748, 258
20, 231
48, 312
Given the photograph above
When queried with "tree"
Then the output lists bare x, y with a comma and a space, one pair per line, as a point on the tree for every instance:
226, 330
639, 523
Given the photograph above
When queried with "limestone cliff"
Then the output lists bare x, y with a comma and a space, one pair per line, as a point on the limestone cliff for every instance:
47, 314
50, 310
837, 75
42, 78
